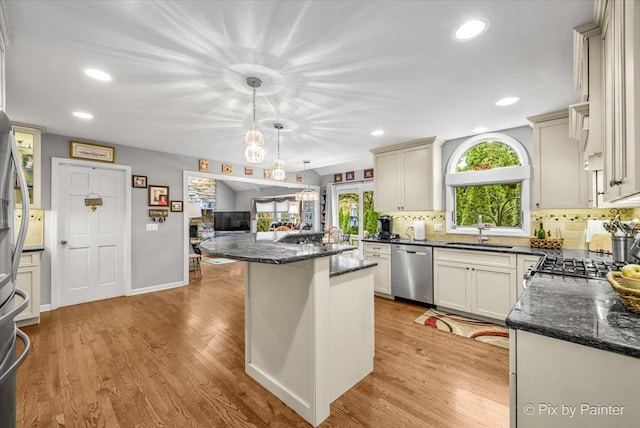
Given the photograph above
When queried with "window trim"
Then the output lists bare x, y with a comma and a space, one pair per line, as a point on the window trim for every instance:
510, 174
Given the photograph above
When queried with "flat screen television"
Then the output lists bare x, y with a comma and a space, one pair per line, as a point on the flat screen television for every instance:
232, 221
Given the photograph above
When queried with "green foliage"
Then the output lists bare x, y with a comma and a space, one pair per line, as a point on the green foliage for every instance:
499, 204
262, 224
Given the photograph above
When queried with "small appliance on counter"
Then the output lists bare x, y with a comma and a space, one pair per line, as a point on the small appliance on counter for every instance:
385, 227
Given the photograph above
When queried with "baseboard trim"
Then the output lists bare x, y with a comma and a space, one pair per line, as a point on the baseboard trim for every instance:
154, 288
45, 308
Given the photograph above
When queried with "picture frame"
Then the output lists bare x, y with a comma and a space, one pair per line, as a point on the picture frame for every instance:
227, 169
94, 152
139, 181
337, 178
158, 196
203, 165
368, 173
266, 174
298, 178
350, 175
248, 170
176, 206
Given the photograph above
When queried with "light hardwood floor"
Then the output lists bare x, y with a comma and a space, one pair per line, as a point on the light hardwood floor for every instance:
176, 359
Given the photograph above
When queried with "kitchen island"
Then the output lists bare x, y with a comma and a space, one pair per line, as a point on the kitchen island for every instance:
575, 355
309, 326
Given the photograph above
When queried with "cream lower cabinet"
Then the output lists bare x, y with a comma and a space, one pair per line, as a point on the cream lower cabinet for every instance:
476, 282
28, 280
380, 254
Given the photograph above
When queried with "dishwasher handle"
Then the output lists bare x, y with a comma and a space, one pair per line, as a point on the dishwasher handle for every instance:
419, 253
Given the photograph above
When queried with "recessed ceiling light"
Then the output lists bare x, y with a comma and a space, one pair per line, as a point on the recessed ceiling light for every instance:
97, 74
480, 129
507, 101
82, 115
471, 29
377, 132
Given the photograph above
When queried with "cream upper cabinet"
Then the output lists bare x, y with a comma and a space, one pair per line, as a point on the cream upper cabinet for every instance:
477, 282
28, 143
560, 180
620, 22
409, 176
380, 254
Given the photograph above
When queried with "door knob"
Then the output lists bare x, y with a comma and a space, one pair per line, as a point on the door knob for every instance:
64, 242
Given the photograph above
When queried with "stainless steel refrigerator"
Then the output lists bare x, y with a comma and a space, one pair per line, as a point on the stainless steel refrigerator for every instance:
11, 180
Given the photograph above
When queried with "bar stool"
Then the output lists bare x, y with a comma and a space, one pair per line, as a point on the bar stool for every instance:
194, 261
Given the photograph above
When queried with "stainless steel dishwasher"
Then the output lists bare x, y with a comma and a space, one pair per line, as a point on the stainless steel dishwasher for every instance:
412, 272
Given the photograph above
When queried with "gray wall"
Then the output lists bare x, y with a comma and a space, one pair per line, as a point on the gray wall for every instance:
149, 250
225, 197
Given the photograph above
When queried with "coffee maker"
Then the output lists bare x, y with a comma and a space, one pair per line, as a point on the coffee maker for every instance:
385, 227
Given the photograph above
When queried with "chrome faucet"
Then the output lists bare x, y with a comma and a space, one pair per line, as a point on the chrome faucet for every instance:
481, 227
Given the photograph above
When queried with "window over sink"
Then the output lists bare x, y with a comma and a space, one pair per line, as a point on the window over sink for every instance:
488, 174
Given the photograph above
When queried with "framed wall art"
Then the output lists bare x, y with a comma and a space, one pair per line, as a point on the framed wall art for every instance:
267, 174
350, 176
95, 152
298, 178
158, 196
337, 178
227, 169
368, 173
203, 165
139, 181
248, 170
176, 206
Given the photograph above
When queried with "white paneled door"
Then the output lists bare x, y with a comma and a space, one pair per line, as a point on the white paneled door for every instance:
90, 243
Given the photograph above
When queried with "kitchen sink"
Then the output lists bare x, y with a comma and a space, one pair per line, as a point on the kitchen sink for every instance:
475, 244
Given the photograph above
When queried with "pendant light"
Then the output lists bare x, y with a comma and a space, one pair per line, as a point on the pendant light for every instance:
254, 141
277, 173
307, 194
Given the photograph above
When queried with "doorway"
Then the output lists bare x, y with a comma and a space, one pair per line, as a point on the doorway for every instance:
90, 252
355, 214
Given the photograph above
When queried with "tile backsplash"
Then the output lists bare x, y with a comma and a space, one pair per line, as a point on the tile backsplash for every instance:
570, 224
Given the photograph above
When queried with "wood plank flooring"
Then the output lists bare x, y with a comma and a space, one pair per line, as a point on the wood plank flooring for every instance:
176, 359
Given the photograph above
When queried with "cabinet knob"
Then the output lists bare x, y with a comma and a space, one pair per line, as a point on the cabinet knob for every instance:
537, 204
64, 242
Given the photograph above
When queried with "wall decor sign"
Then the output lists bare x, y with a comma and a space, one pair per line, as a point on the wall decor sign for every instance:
248, 170
176, 206
158, 196
337, 178
203, 165
298, 178
139, 181
159, 215
80, 150
349, 176
267, 174
227, 169
368, 173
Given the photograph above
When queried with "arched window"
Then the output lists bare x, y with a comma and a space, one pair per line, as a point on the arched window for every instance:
488, 175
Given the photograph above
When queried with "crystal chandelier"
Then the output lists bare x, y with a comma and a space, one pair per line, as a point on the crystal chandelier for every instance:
307, 194
277, 173
254, 141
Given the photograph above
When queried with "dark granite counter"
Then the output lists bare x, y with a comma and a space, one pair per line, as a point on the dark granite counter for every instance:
252, 247
584, 311
341, 265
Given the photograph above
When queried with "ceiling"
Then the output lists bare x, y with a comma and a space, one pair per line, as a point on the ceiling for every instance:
333, 71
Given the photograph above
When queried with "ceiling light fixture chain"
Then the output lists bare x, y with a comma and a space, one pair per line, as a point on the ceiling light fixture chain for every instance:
278, 172
254, 140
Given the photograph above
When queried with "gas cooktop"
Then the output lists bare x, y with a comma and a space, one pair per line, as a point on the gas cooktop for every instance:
578, 268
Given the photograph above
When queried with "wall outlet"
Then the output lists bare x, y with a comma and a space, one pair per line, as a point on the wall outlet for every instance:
437, 227
152, 227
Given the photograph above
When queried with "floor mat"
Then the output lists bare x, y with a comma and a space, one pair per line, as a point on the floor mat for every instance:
217, 260
467, 327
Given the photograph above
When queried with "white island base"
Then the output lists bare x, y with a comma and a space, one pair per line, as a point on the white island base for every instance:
308, 337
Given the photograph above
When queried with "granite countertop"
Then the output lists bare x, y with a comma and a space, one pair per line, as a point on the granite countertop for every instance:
584, 311
252, 247
340, 265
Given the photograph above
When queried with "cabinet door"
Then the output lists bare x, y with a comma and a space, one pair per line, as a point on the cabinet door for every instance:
27, 279
387, 182
524, 263
416, 179
381, 272
491, 290
451, 285
560, 178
